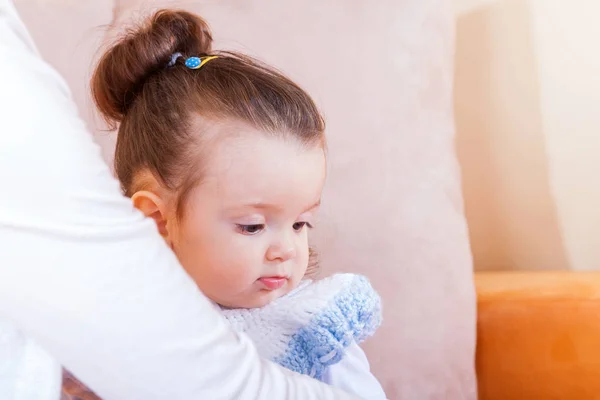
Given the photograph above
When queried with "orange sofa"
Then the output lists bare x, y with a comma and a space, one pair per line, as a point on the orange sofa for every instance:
538, 335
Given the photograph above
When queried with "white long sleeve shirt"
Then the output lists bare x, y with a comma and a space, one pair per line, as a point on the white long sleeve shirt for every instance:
88, 278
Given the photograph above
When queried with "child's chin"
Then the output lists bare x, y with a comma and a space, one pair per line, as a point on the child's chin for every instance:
260, 298
264, 297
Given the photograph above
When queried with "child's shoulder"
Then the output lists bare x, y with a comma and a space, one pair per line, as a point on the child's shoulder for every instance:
310, 328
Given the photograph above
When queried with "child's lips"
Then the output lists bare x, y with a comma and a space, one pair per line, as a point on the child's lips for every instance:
273, 282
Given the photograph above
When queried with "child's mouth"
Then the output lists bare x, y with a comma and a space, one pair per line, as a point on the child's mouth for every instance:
273, 282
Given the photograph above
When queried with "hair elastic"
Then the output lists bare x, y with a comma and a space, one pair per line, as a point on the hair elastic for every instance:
174, 59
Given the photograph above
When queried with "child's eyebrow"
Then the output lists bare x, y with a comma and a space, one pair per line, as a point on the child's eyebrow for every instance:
263, 206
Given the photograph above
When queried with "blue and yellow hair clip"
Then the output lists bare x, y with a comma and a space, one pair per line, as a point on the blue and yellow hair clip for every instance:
191, 62
197, 62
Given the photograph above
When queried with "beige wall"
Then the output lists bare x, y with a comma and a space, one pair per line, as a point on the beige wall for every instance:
528, 119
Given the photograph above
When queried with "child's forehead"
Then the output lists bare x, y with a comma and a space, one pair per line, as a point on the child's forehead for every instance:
263, 154
265, 170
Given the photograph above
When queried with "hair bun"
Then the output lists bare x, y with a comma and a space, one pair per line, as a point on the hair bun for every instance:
142, 52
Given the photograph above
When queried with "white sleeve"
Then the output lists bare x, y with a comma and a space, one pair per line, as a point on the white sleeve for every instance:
352, 374
89, 278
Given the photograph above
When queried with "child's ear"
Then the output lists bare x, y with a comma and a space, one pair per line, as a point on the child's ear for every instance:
151, 205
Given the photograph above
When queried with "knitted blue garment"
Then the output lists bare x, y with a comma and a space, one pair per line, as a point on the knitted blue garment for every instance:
310, 328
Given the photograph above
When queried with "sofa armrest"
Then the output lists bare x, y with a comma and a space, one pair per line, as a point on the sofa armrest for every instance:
538, 335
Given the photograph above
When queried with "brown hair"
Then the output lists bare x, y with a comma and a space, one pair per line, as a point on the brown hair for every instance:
154, 104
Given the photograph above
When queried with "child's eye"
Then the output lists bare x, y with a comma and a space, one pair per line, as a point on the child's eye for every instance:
298, 226
250, 229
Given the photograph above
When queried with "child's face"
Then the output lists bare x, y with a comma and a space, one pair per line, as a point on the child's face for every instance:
244, 236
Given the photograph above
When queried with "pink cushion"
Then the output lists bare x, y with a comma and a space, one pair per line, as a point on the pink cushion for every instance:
382, 74
393, 207
68, 34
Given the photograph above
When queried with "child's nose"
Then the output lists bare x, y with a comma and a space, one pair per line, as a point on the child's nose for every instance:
282, 250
